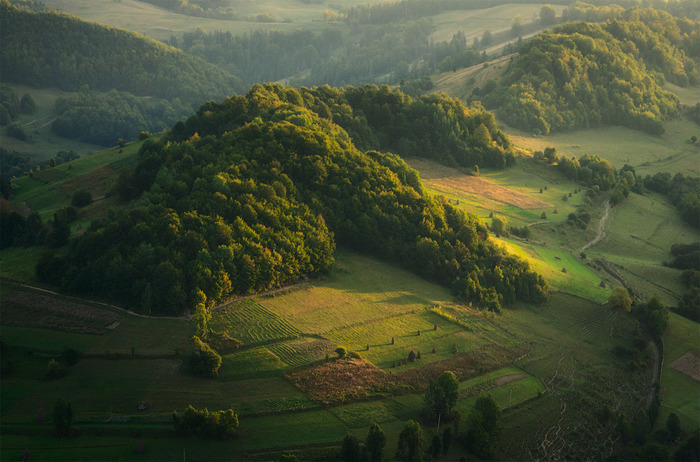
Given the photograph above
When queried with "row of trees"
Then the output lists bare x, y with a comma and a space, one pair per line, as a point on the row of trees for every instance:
582, 75
256, 192
683, 191
11, 106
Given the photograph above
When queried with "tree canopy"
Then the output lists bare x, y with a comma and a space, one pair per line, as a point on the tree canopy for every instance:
582, 75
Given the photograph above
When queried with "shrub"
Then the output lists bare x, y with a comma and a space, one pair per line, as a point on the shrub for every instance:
81, 198
341, 351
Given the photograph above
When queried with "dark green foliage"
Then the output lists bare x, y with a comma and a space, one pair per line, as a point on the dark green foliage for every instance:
350, 449
16, 130
27, 105
435, 446
412, 445
14, 164
442, 394
375, 442
690, 451
62, 418
446, 439
341, 352
583, 75
683, 191
104, 118
50, 49
18, 230
81, 198
653, 315
483, 426
673, 426
221, 425
655, 452
55, 370
204, 361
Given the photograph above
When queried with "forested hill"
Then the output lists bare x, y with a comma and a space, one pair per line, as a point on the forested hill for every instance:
436, 126
49, 49
584, 75
259, 196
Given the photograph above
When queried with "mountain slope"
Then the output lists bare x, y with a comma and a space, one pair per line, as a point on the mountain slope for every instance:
50, 49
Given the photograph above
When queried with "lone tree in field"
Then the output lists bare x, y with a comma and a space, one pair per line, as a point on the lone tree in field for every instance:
620, 300
442, 394
81, 198
412, 444
62, 418
375, 442
484, 428
350, 450
341, 351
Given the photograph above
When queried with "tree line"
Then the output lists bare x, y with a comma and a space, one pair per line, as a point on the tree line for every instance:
583, 75
256, 192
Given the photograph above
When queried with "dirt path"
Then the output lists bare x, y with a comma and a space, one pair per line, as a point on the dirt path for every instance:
601, 228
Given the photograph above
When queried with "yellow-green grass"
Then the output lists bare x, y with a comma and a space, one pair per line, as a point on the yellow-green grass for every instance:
461, 82
578, 279
161, 24
646, 153
513, 192
360, 289
359, 414
638, 240
690, 96
249, 322
679, 392
506, 395
43, 143
404, 330
51, 189
473, 23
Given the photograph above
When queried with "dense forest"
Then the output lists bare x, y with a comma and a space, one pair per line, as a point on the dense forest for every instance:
104, 118
48, 49
257, 191
583, 75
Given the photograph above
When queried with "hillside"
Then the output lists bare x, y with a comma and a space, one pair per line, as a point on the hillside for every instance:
258, 196
584, 75
50, 49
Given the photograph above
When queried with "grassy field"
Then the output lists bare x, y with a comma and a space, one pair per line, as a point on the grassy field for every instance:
639, 239
680, 392
43, 144
647, 154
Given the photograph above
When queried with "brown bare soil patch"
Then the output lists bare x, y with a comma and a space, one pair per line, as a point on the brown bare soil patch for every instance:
25, 309
454, 179
688, 364
342, 380
464, 365
509, 378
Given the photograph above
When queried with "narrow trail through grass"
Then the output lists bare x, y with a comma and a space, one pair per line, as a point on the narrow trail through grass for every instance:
601, 228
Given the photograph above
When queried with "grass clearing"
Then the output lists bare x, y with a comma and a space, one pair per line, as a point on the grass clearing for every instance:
359, 414
638, 240
404, 330
249, 322
680, 392
359, 289
43, 143
648, 154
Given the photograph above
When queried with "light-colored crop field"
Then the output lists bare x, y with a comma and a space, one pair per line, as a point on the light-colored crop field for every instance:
360, 289
404, 330
250, 323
